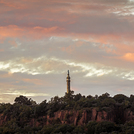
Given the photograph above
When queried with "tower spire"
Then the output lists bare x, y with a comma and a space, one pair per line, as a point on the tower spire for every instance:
68, 82
68, 73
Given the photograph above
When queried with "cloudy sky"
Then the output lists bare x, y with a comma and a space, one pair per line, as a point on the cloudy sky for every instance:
41, 39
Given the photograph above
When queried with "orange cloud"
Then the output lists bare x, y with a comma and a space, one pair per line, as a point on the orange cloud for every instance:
118, 41
25, 61
13, 43
34, 32
13, 4
119, 90
129, 57
10, 31
36, 82
1, 50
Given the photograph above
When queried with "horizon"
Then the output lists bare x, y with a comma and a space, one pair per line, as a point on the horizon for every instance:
40, 40
30, 98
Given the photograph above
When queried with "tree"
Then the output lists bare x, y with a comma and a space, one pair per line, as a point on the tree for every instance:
23, 100
107, 102
77, 97
91, 127
131, 99
120, 98
104, 96
128, 127
105, 126
64, 128
41, 109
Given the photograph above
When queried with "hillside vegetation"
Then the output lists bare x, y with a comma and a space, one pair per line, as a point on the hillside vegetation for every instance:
70, 114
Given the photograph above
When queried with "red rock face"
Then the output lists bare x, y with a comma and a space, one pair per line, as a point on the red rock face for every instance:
101, 116
84, 118
129, 115
34, 123
3, 119
94, 114
79, 118
75, 117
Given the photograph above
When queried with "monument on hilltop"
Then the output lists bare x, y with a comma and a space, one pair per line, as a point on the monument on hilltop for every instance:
68, 82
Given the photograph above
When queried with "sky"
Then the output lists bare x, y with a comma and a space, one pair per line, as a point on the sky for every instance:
41, 39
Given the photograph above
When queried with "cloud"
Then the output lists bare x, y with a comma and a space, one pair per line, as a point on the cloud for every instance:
10, 97
129, 57
26, 94
19, 32
45, 65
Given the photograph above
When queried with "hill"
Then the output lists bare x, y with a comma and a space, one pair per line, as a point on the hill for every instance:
72, 114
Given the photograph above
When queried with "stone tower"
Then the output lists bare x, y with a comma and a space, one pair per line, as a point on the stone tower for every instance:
68, 82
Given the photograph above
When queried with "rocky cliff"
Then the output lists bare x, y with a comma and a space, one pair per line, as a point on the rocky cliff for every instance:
79, 117
82, 117
3, 119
